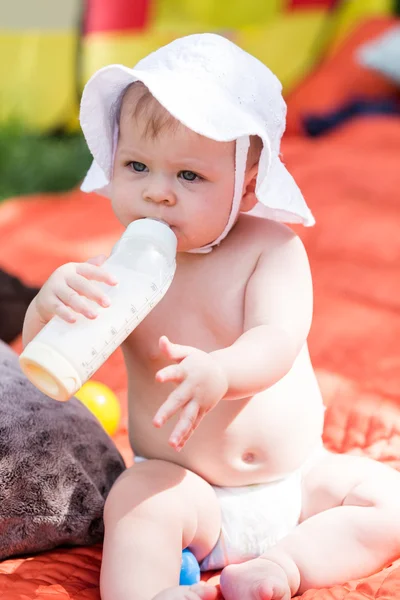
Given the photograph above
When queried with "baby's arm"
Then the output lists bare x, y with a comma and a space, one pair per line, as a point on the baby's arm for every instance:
277, 319
278, 311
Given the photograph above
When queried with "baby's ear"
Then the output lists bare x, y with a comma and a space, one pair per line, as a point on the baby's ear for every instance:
249, 199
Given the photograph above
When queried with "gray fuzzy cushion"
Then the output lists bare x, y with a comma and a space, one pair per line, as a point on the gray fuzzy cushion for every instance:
57, 466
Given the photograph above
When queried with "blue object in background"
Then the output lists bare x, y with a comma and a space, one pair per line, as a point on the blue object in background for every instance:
316, 125
190, 570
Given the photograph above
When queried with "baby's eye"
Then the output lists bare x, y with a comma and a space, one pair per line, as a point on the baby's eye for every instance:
189, 175
138, 167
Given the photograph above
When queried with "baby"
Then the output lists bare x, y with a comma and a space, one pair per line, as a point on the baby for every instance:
225, 414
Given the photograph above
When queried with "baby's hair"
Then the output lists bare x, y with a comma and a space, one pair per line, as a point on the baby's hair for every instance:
156, 116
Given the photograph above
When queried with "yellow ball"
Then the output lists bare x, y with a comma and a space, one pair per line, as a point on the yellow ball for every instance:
103, 403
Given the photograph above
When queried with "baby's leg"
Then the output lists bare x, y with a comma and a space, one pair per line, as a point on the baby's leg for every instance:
154, 510
350, 529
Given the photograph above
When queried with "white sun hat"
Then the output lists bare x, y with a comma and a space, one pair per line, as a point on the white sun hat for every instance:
216, 89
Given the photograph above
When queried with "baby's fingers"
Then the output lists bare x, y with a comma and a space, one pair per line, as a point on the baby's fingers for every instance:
70, 298
97, 260
186, 425
173, 373
84, 287
62, 311
96, 273
174, 402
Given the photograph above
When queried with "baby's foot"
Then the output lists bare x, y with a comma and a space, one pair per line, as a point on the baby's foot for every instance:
199, 591
258, 579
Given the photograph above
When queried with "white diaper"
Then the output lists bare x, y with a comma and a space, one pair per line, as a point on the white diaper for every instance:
255, 517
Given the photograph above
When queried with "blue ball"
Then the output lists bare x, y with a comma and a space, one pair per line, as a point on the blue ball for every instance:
190, 570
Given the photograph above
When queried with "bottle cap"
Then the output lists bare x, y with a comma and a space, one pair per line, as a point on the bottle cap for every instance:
156, 230
49, 371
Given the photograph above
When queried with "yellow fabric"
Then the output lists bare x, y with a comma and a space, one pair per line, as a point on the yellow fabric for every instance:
212, 14
290, 44
37, 78
99, 50
349, 13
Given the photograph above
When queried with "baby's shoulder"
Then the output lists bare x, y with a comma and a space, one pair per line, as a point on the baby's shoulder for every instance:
263, 234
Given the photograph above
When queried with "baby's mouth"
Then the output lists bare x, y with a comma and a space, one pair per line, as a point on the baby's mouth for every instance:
162, 221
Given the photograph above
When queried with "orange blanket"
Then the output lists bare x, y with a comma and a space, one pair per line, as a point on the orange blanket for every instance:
351, 181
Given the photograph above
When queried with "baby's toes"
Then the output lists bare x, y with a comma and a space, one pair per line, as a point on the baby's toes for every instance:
205, 592
272, 588
256, 579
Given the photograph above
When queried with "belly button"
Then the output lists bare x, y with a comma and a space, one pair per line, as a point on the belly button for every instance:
249, 458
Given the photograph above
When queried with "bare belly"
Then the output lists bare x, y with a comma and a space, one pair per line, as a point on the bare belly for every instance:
240, 442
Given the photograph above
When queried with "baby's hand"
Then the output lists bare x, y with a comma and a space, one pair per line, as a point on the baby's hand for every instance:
66, 291
201, 384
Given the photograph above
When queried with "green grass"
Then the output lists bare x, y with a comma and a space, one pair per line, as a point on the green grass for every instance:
31, 163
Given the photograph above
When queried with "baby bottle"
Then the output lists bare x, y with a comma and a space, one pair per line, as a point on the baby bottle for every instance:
64, 355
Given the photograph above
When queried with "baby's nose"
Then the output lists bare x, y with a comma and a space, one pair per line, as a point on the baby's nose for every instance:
160, 192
